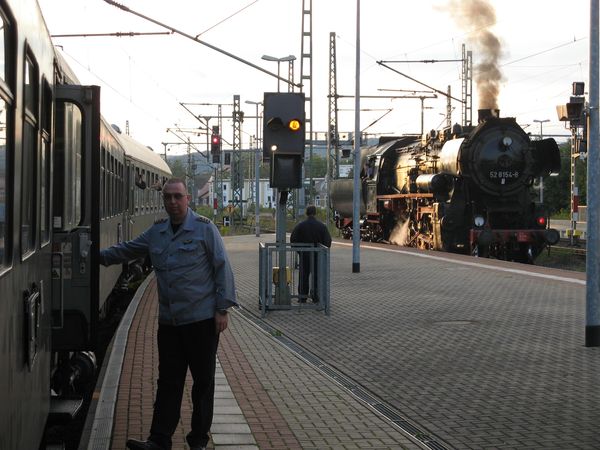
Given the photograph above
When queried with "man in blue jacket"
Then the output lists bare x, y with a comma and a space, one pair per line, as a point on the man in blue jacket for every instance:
195, 289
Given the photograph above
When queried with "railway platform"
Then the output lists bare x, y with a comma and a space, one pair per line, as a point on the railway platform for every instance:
420, 350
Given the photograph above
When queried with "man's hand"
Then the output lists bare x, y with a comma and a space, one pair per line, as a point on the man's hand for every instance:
221, 320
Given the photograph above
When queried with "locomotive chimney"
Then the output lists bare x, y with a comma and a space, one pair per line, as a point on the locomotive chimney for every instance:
485, 114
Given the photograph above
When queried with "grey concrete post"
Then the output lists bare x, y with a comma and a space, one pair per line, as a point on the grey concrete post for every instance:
592, 320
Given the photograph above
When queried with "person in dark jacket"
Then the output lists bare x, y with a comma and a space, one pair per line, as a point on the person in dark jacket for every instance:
309, 231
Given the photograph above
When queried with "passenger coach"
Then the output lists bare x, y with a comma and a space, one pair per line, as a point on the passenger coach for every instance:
69, 184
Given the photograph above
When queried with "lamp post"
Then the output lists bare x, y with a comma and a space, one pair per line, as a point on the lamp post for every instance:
256, 170
288, 58
541, 122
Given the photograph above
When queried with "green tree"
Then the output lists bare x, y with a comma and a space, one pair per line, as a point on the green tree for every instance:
177, 168
319, 167
557, 189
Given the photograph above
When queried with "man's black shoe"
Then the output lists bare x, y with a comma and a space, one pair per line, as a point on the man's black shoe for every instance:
134, 444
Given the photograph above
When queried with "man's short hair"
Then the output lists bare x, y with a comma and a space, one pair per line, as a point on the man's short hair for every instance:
176, 180
311, 210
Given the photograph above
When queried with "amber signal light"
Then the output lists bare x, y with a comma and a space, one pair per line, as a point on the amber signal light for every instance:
294, 125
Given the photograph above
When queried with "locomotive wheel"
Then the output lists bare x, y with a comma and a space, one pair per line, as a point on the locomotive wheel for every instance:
424, 242
481, 251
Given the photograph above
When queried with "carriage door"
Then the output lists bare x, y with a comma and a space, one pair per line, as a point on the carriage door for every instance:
76, 196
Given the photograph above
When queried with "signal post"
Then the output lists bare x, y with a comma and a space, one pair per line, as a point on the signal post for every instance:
284, 137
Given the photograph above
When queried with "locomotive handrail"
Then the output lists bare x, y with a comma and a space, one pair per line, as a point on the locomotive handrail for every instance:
415, 195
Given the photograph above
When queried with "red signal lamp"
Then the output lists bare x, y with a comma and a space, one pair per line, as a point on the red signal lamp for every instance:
541, 221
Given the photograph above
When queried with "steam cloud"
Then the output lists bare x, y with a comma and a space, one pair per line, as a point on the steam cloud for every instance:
479, 15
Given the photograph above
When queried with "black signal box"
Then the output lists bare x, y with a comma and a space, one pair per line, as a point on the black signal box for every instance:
284, 138
284, 124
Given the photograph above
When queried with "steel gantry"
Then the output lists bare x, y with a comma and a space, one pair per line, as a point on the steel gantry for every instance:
467, 86
333, 170
237, 174
307, 88
333, 162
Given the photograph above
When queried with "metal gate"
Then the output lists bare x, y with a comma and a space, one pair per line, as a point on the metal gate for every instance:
279, 291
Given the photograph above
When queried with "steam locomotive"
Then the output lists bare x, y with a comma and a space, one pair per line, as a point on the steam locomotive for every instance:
464, 189
69, 184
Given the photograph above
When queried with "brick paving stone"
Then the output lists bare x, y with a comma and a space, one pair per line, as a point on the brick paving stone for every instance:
489, 344
299, 406
135, 398
474, 356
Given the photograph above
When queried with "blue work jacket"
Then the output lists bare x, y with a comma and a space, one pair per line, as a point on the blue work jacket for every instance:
192, 269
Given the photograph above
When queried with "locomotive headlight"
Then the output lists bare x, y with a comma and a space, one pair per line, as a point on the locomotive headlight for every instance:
478, 221
506, 141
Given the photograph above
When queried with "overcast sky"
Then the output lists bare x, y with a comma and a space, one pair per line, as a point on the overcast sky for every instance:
543, 49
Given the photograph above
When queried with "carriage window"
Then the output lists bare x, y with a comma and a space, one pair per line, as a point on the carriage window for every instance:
45, 165
136, 191
112, 185
68, 166
31, 87
45, 190
102, 182
3, 185
29, 158
121, 187
28, 182
131, 187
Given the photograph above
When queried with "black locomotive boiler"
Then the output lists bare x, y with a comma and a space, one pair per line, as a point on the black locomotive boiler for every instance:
465, 189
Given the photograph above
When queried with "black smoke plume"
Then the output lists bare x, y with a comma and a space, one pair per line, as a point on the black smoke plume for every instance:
478, 16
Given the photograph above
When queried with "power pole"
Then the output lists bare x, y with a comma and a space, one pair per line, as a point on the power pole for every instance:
333, 162
307, 88
449, 108
467, 86
237, 175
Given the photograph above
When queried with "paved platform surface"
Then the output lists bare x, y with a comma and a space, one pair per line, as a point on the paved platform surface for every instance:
473, 353
421, 350
267, 396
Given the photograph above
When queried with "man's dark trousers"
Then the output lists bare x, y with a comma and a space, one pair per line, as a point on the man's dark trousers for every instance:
193, 345
305, 270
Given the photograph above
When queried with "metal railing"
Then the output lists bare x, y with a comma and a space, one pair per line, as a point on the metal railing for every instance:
279, 290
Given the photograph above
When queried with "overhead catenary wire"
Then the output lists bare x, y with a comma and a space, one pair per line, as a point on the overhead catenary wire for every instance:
226, 18
195, 39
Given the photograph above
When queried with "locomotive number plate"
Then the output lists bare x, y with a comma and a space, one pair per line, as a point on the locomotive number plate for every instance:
494, 174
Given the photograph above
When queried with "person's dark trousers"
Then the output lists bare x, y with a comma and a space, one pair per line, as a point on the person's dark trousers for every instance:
305, 270
193, 345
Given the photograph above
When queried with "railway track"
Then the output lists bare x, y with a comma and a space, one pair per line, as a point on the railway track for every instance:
579, 246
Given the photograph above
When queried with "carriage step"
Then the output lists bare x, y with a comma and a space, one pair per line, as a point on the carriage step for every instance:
63, 410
